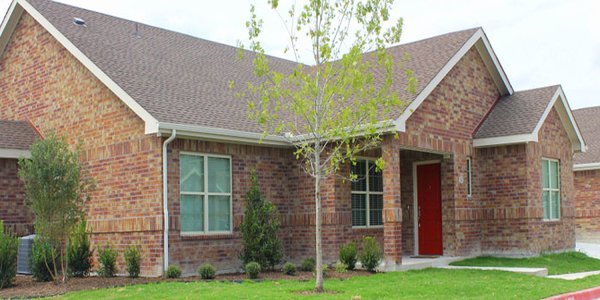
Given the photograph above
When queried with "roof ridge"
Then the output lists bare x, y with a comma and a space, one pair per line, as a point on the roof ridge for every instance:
474, 29
587, 108
539, 88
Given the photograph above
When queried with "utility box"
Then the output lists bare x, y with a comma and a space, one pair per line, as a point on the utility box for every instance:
24, 255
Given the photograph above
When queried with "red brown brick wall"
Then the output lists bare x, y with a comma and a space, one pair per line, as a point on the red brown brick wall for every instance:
445, 123
15, 214
554, 143
42, 82
587, 205
502, 188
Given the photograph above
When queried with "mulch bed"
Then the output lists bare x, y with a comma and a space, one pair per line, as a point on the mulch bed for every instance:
26, 287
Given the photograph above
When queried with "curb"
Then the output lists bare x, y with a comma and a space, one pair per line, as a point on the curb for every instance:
589, 294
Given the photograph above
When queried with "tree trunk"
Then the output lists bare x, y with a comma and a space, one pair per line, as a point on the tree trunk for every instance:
318, 221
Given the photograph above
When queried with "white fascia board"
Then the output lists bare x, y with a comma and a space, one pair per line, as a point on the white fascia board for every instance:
382, 127
149, 120
222, 135
579, 144
412, 107
14, 153
586, 167
505, 140
9, 23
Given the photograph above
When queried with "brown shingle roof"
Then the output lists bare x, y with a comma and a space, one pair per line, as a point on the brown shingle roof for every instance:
181, 79
588, 120
517, 114
16, 135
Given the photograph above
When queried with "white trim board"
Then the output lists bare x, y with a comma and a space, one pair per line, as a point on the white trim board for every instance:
500, 77
9, 25
14, 153
566, 117
586, 167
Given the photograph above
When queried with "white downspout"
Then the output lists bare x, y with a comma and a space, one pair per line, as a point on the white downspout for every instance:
166, 202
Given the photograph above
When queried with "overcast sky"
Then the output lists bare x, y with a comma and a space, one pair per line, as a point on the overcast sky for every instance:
538, 43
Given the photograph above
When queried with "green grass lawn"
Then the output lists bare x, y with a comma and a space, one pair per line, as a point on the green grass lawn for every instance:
562, 263
422, 284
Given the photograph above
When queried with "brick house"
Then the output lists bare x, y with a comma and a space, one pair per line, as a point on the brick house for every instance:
477, 167
587, 176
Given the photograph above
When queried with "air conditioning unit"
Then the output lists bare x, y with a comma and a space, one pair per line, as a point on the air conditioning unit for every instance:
25, 245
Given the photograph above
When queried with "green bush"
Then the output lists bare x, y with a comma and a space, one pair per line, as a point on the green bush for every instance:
173, 271
371, 255
308, 265
340, 267
107, 257
132, 260
348, 255
252, 270
207, 271
259, 229
43, 260
289, 269
79, 254
9, 247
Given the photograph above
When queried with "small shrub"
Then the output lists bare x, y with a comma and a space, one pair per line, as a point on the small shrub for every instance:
79, 254
107, 257
325, 270
371, 255
252, 270
173, 271
9, 246
289, 269
132, 260
348, 255
259, 228
207, 271
340, 267
43, 260
308, 265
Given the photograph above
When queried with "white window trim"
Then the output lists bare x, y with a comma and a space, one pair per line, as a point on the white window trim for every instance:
369, 160
205, 195
550, 190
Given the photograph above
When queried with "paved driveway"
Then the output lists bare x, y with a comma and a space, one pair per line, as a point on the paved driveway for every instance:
591, 249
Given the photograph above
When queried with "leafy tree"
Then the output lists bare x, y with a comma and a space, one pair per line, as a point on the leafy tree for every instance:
55, 190
337, 107
259, 229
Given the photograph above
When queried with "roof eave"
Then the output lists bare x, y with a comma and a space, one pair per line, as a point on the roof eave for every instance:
586, 167
14, 153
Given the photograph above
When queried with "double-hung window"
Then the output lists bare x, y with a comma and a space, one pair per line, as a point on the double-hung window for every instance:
551, 189
205, 191
367, 195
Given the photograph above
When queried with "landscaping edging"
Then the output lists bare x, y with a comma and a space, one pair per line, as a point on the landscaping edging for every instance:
589, 294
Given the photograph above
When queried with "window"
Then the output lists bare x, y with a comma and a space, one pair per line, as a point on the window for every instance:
367, 195
551, 189
469, 191
205, 190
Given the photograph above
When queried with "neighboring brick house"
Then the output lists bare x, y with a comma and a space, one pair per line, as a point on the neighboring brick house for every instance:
163, 134
587, 176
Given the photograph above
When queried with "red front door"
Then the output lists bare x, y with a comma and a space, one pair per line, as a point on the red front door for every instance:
429, 199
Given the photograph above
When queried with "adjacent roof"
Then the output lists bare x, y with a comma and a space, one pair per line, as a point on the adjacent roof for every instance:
172, 80
517, 114
588, 120
16, 138
518, 118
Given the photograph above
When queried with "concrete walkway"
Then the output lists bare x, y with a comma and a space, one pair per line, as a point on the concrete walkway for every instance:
574, 276
591, 249
540, 272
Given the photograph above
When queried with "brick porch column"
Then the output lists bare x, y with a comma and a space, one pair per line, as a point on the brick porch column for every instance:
392, 209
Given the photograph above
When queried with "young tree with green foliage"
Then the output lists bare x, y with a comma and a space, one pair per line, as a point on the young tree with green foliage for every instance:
56, 189
259, 229
337, 107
